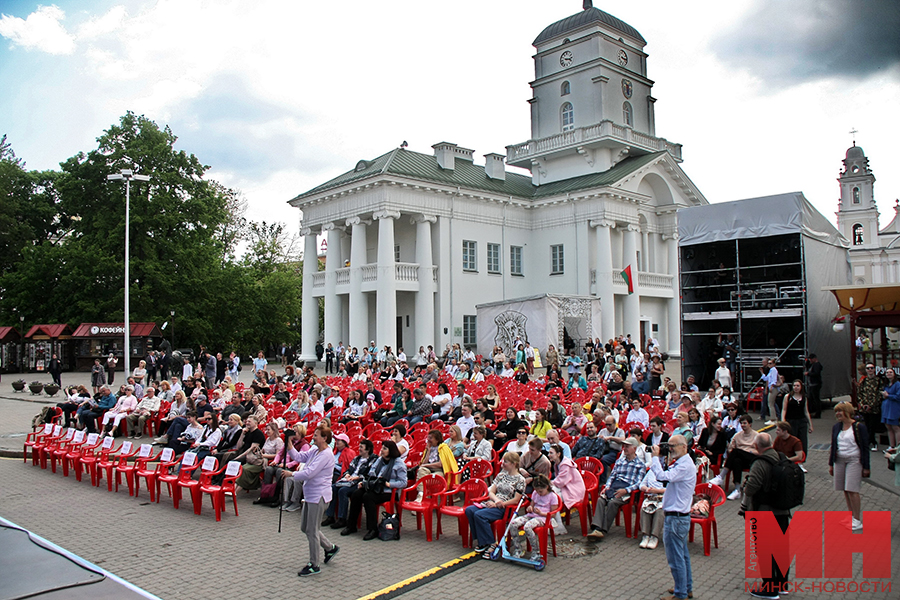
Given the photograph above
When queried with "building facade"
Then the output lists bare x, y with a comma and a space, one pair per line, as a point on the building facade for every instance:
874, 252
416, 241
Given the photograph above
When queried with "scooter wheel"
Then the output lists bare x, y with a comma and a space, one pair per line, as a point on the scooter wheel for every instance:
495, 553
540, 566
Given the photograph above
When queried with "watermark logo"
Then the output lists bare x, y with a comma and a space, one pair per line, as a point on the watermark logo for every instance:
822, 543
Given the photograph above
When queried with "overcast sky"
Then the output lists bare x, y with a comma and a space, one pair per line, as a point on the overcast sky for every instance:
281, 95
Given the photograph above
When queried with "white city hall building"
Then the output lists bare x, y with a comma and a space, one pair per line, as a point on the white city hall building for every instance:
415, 241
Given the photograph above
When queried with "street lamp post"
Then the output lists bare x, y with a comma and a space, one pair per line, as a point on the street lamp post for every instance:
127, 175
173, 331
22, 355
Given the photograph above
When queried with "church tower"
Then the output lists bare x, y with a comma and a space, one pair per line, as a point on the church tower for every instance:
591, 104
857, 214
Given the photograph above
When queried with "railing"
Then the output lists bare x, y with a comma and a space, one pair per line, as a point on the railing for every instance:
318, 279
343, 276
602, 130
406, 272
655, 280
369, 272
593, 276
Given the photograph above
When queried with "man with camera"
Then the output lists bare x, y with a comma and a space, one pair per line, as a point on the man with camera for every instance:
625, 477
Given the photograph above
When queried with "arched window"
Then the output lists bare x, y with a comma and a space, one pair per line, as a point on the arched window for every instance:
628, 114
856, 195
568, 117
858, 235
565, 88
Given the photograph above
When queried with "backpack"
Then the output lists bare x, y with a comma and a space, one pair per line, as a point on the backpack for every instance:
389, 527
785, 486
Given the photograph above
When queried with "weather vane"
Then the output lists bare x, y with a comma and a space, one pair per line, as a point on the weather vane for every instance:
853, 133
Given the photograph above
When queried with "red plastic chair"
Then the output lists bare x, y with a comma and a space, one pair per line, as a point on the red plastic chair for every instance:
590, 463
473, 490
173, 481
716, 498
123, 468
151, 476
584, 505
56, 449
73, 452
144, 457
91, 461
87, 452
114, 459
631, 507
217, 492
432, 486
477, 468
208, 469
36, 438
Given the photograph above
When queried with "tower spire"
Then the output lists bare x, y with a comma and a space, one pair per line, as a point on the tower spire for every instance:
588, 4
853, 133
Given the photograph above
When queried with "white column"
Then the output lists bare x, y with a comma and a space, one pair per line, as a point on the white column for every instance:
673, 307
631, 313
333, 262
386, 300
309, 322
425, 296
359, 308
604, 279
645, 251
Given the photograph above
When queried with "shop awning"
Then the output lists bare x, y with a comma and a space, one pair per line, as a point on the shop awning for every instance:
9, 334
107, 330
856, 298
49, 331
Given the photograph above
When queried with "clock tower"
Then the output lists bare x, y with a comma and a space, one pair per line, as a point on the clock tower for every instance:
592, 104
857, 215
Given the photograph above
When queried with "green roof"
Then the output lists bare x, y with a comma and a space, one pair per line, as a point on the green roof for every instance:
466, 174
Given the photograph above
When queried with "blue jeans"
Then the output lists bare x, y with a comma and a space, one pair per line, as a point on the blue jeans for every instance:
675, 537
480, 520
340, 501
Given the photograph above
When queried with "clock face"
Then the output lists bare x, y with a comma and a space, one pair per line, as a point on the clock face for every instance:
627, 88
623, 58
565, 59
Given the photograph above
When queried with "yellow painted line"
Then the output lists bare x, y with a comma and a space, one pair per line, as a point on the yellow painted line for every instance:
415, 578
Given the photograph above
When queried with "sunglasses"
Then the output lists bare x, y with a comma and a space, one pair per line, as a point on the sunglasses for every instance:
522, 433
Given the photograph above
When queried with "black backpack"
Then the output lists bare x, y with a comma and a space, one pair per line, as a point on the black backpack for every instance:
786, 484
389, 528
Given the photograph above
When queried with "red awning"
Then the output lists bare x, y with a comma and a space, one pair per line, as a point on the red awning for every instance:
51, 331
9, 334
107, 330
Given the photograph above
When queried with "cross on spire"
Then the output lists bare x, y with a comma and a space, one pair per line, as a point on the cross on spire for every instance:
853, 132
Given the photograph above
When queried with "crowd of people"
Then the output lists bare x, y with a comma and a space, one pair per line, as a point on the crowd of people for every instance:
389, 420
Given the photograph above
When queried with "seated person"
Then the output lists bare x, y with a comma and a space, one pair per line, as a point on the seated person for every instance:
534, 461
357, 407
624, 478
124, 406
787, 444
590, 444
520, 444
637, 414
574, 423
398, 433
231, 435
553, 438
505, 491
614, 436
90, 409
742, 452
528, 414
336, 513
565, 476
507, 428
713, 440
144, 410
652, 514
436, 458
182, 437
479, 447
456, 442
543, 502
683, 428
387, 473
249, 479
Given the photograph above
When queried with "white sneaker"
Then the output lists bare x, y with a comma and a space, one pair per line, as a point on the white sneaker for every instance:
651, 545
802, 468
717, 480
536, 556
855, 524
734, 495
645, 541
770, 422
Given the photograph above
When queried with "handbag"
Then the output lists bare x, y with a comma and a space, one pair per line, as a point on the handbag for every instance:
268, 490
254, 457
389, 527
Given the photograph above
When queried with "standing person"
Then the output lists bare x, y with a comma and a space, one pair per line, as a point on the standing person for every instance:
849, 459
814, 384
55, 369
890, 409
795, 410
98, 376
234, 366
260, 363
209, 370
221, 368
111, 363
187, 371
770, 413
756, 498
676, 505
723, 375
329, 359
869, 397
315, 476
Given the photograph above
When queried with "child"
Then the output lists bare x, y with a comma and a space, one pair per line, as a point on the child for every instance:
542, 503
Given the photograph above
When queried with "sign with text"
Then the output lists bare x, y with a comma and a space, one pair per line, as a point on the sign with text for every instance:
167, 455
108, 442
232, 469
189, 459
146, 449
92, 438
209, 463
822, 543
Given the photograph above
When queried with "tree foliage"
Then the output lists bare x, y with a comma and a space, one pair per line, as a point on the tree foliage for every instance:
62, 239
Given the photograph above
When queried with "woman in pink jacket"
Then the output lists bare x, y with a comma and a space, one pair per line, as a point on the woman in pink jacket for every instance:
124, 406
565, 476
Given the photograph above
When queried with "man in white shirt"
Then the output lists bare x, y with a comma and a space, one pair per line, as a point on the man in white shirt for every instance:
401, 355
186, 370
176, 386
529, 359
637, 415
466, 422
772, 390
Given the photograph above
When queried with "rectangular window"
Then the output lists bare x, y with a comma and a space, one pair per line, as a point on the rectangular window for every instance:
469, 338
557, 261
515, 260
493, 258
397, 253
470, 256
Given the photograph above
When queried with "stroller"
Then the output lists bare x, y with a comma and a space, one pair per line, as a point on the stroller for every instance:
502, 548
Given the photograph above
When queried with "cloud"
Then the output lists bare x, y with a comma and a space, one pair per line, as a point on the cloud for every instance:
41, 30
100, 26
808, 40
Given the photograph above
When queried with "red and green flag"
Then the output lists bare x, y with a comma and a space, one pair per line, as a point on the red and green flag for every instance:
626, 275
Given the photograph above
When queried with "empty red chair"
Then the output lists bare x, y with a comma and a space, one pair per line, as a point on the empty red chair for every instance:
173, 482
78, 462
73, 452
122, 467
716, 498
91, 460
113, 460
60, 448
217, 492
473, 490
36, 438
477, 468
151, 476
208, 468
144, 457
432, 486
590, 463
